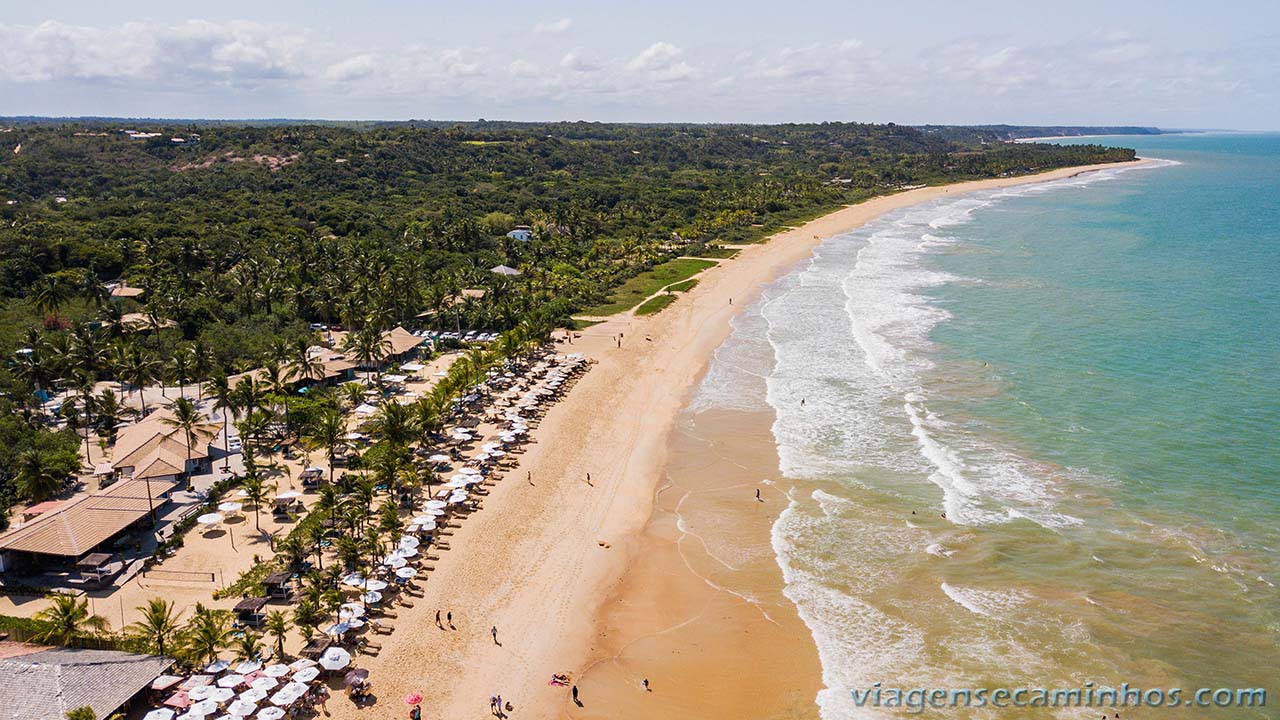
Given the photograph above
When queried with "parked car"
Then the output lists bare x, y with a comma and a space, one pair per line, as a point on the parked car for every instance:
234, 445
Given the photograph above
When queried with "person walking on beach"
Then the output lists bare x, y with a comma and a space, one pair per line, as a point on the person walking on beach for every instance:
494, 632
493, 704
438, 623
416, 713
449, 617
576, 701
646, 685
758, 498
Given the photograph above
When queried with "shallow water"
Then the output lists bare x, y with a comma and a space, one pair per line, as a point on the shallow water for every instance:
1081, 376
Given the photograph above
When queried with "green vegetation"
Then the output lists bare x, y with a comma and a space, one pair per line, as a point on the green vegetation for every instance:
647, 283
655, 304
720, 253
682, 286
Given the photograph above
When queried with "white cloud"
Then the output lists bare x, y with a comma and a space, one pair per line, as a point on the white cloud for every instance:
663, 62
575, 60
552, 27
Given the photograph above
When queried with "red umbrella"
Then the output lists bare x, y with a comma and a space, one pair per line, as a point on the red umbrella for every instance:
413, 699
178, 700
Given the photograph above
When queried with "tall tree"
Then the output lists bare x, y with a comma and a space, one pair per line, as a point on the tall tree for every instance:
66, 619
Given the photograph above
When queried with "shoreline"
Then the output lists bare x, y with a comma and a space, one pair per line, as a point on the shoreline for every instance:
544, 558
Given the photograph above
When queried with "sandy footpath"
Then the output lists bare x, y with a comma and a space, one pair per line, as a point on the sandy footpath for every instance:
549, 554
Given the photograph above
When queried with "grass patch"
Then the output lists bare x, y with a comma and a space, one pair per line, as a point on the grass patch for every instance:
655, 304
682, 286
721, 253
635, 290
576, 324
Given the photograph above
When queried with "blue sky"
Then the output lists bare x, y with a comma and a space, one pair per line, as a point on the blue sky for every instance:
1173, 64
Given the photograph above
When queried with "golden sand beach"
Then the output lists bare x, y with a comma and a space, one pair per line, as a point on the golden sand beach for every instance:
593, 578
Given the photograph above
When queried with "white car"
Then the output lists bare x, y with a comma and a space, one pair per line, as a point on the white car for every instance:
234, 445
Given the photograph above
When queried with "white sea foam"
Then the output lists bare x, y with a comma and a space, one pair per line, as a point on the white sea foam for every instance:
989, 603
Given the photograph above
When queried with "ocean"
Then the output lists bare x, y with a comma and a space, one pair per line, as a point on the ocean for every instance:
1029, 435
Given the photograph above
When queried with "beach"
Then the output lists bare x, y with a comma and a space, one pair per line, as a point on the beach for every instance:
557, 558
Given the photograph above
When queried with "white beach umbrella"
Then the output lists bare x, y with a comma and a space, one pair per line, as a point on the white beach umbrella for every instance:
230, 681
428, 526
335, 658
434, 512
394, 561
271, 713
249, 666
306, 675
421, 519
203, 708
338, 628
405, 552
229, 507
434, 504
371, 597
375, 585
406, 573
469, 471
302, 664
296, 688
217, 666
354, 580
209, 519
276, 671
282, 698
242, 708
221, 694
409, 541
439, 458
159, 714
498, 454
253, 695
200, 692
355, 623
490, 447
288, 495
351, 608
265, 684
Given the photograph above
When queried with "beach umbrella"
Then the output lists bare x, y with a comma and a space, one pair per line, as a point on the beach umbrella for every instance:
337, 629
221, 694
354, 580
439, 459
271, 713
394, 561
434, 504
434, 512
405, 552
209, 519
490, 447
425, 522
406, 573
229, 507
302, 664
203, 708
456, 499
375, 585
249, 666
159, 714
371, 597
276, 671
355, 623
408, 541
355, 676
335, 658
242, 708
200, 692
355, 609
498, 454
283, 698
264, 683
217, 666
306, 675
470, 471
288, 495
253, 695
295, 688
413, 699
230, 681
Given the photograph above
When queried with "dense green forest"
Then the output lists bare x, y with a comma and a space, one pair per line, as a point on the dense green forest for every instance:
241, 236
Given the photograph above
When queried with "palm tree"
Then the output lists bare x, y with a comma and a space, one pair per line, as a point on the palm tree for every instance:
327, 432
106, 414
206, 634
223, 398
179, 369
248, 646
36, 478
369, 348
277, 626
158, 626
139, 370
307, 615
82, 713
50, 293
66, 619
186, 419
201, 364
255, 492
305, 366
394, 422
77, 421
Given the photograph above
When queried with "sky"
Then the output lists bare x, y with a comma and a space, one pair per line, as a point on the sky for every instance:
1173, 64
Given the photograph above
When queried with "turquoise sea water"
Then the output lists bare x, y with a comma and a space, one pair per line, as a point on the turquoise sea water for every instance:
1032, 433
